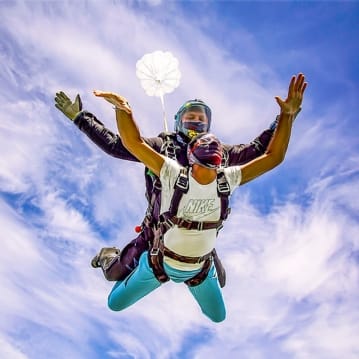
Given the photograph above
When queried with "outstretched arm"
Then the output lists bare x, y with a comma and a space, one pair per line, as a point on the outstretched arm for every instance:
277, 148
95, 130
130, 134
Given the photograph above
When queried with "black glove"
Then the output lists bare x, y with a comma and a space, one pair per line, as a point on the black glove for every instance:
66, 106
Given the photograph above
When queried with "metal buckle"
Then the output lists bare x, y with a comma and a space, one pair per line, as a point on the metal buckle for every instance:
154, 251
182, 223
223, 187
169, 148
204, 258
182, 182
200, 259
157, 184
171, 152
169, 222
200, 226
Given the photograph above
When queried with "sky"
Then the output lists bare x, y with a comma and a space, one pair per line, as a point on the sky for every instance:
290, 246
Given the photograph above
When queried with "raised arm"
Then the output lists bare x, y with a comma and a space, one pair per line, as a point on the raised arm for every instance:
277, 148
130, 134
95, 130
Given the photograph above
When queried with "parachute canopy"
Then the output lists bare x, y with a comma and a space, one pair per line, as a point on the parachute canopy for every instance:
158, 72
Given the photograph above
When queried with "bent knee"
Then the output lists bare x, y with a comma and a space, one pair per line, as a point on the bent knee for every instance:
114, 305
218, 319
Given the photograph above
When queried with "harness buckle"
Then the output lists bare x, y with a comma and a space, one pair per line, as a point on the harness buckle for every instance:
182, 182
200, 226
157, 184
155, 251
169, 222
169, 148
182, 223
223, 187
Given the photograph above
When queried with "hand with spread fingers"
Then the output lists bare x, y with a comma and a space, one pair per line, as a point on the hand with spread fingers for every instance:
66, 106
118, 101
291, 105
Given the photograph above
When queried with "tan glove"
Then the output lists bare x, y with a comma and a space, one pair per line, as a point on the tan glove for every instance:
66, 106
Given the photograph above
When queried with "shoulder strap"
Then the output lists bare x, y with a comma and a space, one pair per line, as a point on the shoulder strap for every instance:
168, 148
181, 186
223, 191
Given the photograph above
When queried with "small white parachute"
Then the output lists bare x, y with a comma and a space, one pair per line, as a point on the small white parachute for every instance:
159, 74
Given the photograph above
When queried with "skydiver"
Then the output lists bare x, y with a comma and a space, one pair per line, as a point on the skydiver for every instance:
118, 264
184, 240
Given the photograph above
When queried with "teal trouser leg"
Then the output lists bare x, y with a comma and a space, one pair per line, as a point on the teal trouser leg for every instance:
142, 281
208, 294
139, 283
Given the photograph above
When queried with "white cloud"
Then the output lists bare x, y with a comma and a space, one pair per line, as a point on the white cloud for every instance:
292, 279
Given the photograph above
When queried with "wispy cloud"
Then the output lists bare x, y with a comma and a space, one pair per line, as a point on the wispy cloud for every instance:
292, 270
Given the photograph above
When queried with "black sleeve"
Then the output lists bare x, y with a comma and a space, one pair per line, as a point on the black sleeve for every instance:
241, 154
108, 141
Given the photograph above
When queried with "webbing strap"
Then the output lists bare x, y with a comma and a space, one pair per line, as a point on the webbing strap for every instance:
169, 218
156, 190
169, 149
181, 187
223, 191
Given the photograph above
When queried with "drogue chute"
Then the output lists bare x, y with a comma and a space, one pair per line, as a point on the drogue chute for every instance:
159, 74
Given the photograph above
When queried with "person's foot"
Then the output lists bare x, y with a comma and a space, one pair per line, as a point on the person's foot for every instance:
104, 257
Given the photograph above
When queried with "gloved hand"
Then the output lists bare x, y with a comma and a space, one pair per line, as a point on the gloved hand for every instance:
66, 106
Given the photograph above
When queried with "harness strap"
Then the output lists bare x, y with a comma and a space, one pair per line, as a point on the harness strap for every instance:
169, 219
186, 259
223, 191
201, 276
180, 188
156, 189
199, 226
169, 149
155, 258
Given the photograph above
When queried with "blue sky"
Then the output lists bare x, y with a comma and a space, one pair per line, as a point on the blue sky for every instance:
290, 246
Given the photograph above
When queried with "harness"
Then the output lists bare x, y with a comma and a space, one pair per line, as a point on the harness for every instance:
169, 219
169, 149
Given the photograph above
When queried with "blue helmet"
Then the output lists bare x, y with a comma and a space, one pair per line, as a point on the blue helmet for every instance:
191, 129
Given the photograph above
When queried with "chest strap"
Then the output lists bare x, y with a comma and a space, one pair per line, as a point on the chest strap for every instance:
189, 225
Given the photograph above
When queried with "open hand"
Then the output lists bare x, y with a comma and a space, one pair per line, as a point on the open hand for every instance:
66, 106
118, 101
292, 103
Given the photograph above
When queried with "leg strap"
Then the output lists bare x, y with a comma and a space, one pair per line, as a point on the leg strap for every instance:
155, 259
201, 276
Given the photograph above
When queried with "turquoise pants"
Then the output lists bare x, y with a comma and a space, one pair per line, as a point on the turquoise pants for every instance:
142, 281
